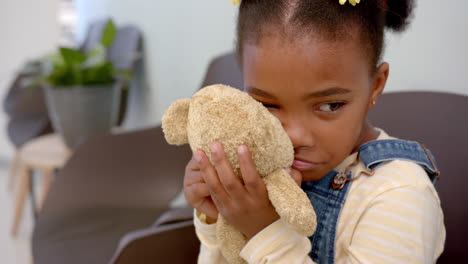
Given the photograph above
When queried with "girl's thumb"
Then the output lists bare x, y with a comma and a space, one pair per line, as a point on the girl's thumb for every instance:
295, 174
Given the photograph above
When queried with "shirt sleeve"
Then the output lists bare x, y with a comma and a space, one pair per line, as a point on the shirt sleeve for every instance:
210, 252
401, 225
277, 243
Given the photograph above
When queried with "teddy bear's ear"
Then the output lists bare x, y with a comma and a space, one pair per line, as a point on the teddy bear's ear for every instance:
174, 122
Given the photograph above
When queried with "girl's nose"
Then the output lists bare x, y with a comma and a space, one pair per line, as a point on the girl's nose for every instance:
299, 133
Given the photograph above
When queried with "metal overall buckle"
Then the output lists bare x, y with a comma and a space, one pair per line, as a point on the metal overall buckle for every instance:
340, 179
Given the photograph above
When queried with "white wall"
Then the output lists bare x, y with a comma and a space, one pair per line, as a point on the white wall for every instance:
432, 54
28, 29
182, 36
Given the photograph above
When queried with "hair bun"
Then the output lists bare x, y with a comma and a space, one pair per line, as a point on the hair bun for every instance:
398, 13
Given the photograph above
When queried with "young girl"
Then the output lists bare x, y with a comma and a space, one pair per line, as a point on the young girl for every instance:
316, 65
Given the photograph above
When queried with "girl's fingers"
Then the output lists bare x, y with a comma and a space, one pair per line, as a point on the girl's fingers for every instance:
198, 195
296, 175
218, 194
193, 177
231, 183
192, 165
253, 182
209, 208
197, 190
192, 173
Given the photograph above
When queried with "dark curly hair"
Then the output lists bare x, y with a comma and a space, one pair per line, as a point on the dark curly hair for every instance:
324, 19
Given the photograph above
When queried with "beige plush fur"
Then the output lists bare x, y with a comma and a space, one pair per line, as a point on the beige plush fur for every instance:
231, 117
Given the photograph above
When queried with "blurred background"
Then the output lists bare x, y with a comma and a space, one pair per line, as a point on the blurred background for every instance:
179, 38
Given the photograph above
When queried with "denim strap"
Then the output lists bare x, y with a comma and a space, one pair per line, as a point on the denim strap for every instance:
327, 203
374, 153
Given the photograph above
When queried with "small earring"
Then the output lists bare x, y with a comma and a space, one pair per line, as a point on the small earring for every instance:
373, 102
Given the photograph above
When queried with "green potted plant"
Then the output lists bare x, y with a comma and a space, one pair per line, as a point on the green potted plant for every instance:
83, 90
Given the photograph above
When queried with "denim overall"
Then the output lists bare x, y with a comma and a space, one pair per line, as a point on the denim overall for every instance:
328, 201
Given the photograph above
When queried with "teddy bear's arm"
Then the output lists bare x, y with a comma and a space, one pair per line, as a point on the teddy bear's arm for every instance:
290, 202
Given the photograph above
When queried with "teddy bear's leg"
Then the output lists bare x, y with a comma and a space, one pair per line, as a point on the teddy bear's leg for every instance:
290, 202
231, 241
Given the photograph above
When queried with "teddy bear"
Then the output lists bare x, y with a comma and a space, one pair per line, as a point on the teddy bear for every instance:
232, 117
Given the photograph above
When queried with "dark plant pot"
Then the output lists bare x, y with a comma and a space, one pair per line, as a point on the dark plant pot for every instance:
79, 112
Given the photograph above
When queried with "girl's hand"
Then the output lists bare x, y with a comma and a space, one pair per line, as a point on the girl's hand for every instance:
296, 175
197, 193
246, 207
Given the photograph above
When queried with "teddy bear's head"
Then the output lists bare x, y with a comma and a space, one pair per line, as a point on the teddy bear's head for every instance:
231, 117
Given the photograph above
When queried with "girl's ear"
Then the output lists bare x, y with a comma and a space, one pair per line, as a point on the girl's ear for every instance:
378, 84
174, 122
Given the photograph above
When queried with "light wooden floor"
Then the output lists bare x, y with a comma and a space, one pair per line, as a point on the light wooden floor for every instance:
13, 250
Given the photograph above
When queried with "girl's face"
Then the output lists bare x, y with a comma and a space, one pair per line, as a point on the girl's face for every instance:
320, 91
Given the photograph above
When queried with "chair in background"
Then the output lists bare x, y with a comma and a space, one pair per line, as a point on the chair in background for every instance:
45, 154
171, 239
126, 54
126, 48
27, 115
93, 34
224, 69
26, 110
438, 120
112, 184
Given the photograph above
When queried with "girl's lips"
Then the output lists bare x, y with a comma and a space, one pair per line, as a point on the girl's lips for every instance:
301, 165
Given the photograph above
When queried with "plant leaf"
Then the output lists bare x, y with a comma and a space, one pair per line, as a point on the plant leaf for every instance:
109, 34
99, 74
96, 56
71, 56
96, 50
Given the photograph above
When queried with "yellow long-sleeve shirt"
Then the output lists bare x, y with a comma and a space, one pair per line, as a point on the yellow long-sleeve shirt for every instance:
393, 216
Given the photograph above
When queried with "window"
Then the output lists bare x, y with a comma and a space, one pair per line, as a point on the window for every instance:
67, 20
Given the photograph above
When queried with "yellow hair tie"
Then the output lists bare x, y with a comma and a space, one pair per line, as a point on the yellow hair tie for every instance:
342, 2
235, 2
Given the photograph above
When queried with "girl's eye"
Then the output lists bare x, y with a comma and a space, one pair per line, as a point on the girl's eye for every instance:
270, 106
331, 107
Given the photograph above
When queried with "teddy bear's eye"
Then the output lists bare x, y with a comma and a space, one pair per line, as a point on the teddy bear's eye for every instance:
331, 107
